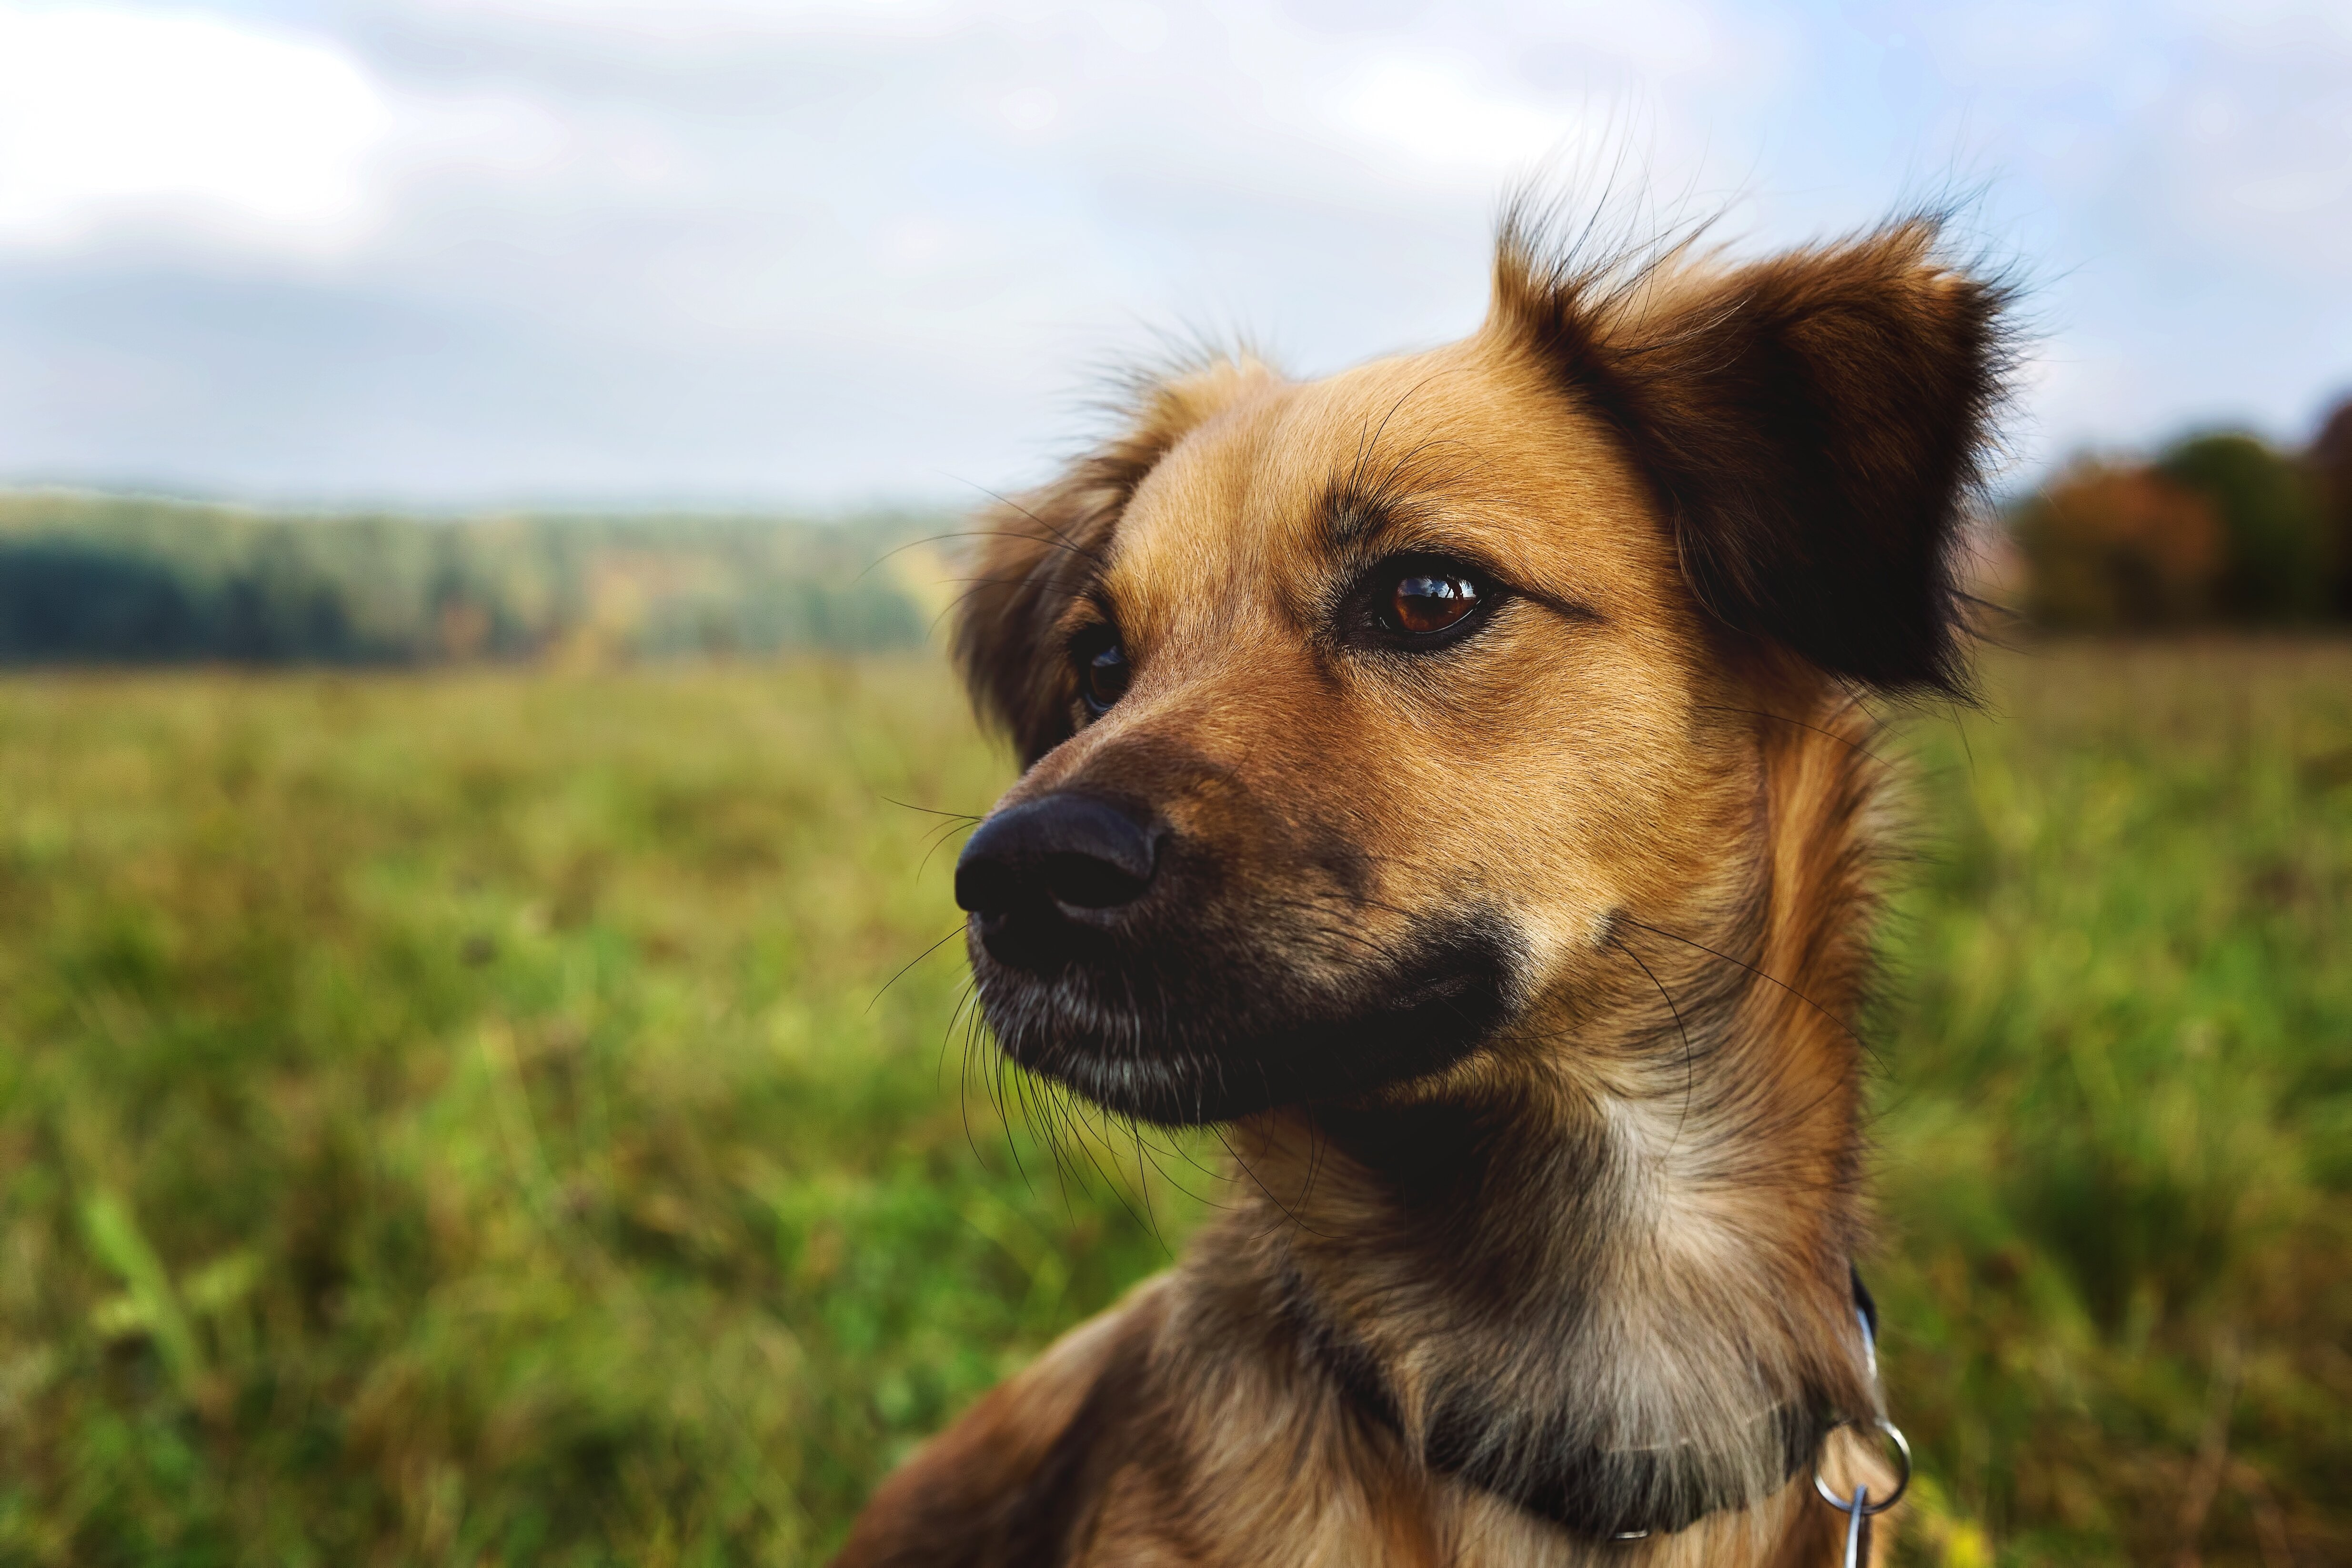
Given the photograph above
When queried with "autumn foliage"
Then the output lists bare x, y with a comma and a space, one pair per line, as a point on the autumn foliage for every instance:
2219, 528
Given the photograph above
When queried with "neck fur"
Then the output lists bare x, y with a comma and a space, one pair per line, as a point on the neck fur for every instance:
1614, 1287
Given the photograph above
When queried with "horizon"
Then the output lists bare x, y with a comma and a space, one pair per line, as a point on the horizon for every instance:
2002, 498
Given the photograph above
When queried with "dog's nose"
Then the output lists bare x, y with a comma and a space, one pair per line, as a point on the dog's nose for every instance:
1075, 850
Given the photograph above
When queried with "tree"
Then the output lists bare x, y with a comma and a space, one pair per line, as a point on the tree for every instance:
2279, 562
2113, 548
2331, 467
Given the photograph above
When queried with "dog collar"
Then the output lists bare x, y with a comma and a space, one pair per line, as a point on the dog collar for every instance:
1607, 1495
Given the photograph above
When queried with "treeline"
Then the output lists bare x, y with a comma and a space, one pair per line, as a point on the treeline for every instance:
2219, 529
113, 579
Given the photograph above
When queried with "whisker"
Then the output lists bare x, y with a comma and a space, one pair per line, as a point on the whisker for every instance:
939, 842
1689, 1070
1056, 535
912, 962
1243, 1166
1760, 974
929, 810
1848, 742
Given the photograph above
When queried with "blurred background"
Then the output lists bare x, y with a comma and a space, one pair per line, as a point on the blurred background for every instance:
484, 1074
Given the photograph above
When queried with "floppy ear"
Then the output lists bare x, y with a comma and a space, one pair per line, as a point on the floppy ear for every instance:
1040, 550
1812, 425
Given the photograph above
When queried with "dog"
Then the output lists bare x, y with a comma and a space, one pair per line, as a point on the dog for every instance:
1453, 777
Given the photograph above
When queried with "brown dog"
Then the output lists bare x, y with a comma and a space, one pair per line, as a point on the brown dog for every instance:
1449, 775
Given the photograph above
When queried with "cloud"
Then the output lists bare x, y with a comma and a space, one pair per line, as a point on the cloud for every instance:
816, 248
126, 128
727, 23
2255, 147
1440, 114
2195, 129
123, 118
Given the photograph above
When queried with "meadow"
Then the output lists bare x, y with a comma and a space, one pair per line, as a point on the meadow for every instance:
505, 1115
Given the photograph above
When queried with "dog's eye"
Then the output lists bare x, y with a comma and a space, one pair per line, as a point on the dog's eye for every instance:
1103, 675
1424, 603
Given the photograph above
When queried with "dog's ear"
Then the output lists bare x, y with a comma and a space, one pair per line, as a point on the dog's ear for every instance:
1812, 425
1040, 550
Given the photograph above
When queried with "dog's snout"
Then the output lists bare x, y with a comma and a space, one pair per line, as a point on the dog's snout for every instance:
1075, 851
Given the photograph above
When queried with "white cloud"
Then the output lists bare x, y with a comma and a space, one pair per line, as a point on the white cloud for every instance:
721, 21
814, 247
2255, 152
1442, 114
2193, 129
124, 126
127, 118
503, 136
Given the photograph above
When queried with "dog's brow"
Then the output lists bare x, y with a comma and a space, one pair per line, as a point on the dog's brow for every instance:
1353, 520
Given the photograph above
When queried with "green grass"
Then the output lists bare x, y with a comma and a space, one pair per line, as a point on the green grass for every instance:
2117, 1106
461, 1119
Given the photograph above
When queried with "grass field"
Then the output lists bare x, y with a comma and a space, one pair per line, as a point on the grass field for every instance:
462, 1119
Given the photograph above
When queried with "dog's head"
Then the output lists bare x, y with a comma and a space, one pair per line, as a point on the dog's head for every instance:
1358, 712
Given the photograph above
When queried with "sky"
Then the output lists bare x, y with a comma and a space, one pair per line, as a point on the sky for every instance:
819, 253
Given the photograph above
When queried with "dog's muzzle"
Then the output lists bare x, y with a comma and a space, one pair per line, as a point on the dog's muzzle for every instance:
1183, 981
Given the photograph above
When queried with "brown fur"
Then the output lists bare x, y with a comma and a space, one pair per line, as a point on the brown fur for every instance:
1586, 1266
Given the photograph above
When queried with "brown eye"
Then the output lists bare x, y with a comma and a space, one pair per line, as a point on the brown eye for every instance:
1104, 675
1427, 602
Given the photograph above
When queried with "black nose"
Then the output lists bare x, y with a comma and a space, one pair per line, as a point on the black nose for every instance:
1075, 850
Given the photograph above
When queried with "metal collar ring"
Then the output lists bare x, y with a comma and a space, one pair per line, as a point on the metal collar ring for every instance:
1902, 1448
